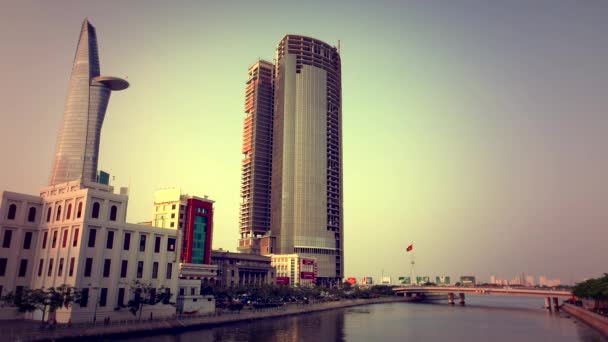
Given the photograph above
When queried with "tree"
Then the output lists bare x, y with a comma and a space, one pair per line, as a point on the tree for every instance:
593, 288
146, 294
51, 299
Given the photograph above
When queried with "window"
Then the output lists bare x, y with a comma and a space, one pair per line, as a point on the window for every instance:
31, 215
40, 267
182, 291
173, 215
64, 239
140, 269
142, 243
127, 241
95, 212
79, 211
152, 297
123, 268
68, 212
110, 239
60, 268
113, 212
27, 240
3, 262
193, 291
171, 244
58, 215
12, 211
48, 215
155, 270
18, 291
84, 297
157, 244
103, 296
71, 272
54, 241
121, 297
169, 270
106, 268
6, 242
173, 207
75, 241
44, 238
172, 224
92, 235
50, 269
88, 267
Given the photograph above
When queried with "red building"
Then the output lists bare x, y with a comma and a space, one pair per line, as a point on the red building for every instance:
197, 231
193, 217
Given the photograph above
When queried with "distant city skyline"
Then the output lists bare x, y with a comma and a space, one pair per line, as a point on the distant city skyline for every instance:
477, 131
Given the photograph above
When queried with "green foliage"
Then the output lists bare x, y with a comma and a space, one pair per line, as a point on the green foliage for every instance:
51, 299
274, 293
593, 288
146, 294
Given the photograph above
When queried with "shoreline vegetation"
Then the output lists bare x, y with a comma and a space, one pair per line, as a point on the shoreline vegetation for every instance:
184, 323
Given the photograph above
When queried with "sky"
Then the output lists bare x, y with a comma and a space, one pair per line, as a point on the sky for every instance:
475, 130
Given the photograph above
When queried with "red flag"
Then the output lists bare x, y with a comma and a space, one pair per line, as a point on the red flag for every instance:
409, 248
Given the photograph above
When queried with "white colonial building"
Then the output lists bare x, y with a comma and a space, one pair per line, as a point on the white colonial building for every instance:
76, 234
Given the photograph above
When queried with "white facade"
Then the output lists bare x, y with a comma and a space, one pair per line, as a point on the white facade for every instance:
79, 237
190, 301
301, 270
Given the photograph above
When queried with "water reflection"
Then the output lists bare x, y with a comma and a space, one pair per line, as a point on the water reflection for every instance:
482, 319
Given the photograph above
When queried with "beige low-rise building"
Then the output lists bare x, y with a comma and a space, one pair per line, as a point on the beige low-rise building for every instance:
238, 269
295, 269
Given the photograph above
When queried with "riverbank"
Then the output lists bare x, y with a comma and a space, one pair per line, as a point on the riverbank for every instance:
597, 322
141, 328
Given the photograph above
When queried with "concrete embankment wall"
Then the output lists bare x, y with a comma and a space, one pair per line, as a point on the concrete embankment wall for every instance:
175, 325
598, 322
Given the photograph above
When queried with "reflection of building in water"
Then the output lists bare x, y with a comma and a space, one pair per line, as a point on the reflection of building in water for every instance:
322, 326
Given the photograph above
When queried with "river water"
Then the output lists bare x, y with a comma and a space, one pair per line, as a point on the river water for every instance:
484, 318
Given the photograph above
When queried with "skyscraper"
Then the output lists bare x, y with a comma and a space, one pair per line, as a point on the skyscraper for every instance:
306, 199
88, 94
256, 165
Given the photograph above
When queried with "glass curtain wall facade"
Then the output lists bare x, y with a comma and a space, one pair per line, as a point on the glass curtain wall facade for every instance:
77, 147
306, 195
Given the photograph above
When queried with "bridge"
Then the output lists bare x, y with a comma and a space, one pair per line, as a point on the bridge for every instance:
420, 291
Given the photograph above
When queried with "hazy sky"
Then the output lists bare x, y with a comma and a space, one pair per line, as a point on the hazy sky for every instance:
475, 129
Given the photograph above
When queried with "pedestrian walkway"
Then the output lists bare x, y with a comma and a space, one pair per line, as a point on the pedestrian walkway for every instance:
26, 331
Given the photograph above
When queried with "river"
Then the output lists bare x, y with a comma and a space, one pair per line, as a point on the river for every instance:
484, 318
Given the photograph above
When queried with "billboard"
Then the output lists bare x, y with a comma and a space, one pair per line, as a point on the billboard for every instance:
467, 280
308, 262
422, 280
367, 281
405, 280
442, 280
283, 280
352, 281
307, 275
386, 281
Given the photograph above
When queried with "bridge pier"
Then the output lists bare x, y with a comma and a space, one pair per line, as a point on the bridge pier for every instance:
451, 298
556, 303
548, 303
461, 295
